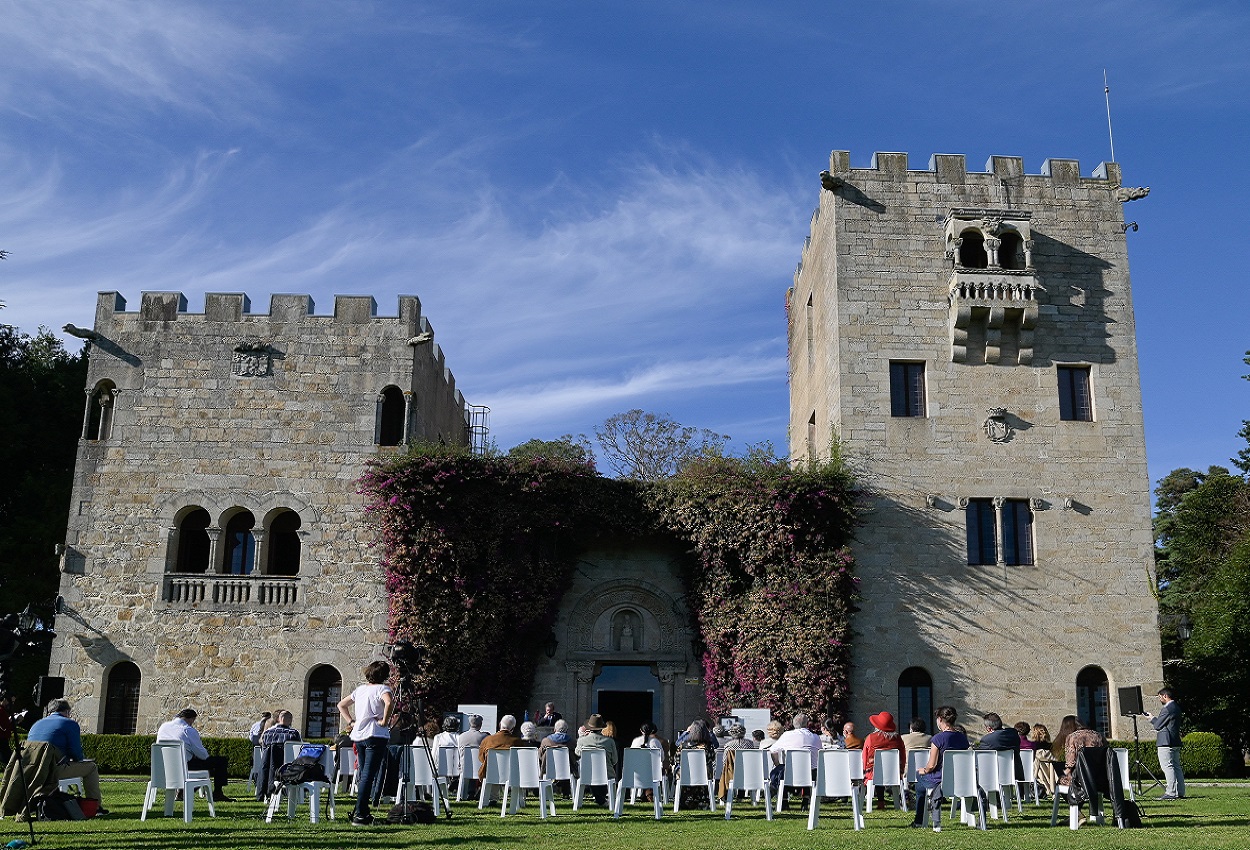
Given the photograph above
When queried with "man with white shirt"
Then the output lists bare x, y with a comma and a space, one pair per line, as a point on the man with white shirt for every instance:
182, 730
799, 737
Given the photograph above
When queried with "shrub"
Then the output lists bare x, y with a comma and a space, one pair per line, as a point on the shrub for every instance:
1202, 755
132, 754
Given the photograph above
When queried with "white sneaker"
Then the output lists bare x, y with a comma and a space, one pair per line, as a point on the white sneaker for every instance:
937, 829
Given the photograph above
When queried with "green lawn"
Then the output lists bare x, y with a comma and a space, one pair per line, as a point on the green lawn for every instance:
1213, 818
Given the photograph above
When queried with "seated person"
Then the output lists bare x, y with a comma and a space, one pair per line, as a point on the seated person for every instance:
998, 737
884, 736
1078, 739
849, 739
918, 738
280, 732
182, 729
65, 734
929, 777
596, 738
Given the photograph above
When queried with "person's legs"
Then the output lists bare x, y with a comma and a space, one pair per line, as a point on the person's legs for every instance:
218, 768
87, 771
372, 759
1170, 761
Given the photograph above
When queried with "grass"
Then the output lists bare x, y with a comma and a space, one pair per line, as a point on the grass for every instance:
1215, 817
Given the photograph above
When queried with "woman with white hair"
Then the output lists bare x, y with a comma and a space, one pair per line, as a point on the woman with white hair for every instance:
884, 736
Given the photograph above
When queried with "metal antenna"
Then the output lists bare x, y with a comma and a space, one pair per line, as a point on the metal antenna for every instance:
1106, 91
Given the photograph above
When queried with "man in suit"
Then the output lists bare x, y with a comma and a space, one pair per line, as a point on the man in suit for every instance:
1168, 724
997, 737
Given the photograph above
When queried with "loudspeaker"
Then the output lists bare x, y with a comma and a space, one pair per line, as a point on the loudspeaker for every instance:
48, 688
1131, 701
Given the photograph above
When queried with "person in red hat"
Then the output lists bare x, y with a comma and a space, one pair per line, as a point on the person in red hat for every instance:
884, 736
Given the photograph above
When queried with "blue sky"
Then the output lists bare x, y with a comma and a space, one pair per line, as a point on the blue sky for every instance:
601, 205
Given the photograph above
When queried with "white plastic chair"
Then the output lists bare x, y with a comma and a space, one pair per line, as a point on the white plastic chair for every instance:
658, 757
1027, 764
750, 774
885, 774
593, 771
694, 774
991, 782
449, 764
1007, 778
496, 774
170, 774
418, 773
71, 782
305, 791
557, 767
347, 769
253, 778
959, 783
523, 774
835, 770
1121, 760
796, 773
916, 759
639, 771
470, 764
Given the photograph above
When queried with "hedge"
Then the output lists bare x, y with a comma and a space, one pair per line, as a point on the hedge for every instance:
132, 754
1202, 755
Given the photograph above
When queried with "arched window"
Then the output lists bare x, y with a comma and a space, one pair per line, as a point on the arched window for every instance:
121, 699
193, 543
98, 422
282, 539
240, 544
915, 696
1093, 699
390, 427
972, 250
321, 713
1010, 250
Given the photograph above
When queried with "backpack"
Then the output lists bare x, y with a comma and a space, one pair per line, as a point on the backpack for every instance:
1130, 815
413, 811
59, 806
305, 768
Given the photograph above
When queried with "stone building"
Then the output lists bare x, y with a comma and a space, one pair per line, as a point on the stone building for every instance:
217, 554
968, 339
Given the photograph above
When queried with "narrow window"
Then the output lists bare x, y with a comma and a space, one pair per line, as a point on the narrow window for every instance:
121, 699
915, 696
1017, 532
1075, 401
1011, 251
906, 389
972, 250
193, 543
1093, 699
811, 437
321, 713
240, 557
283, 542
99, 419
980, 523
810, 317
391, 417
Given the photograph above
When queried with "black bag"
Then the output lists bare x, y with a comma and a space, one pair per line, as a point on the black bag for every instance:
1130, 815
415, 811
59, 806
306, 767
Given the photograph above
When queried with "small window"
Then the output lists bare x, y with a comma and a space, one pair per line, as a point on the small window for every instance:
240, 557
982, 547
1017, 532
972, 250
1075, 401
907, 389
121, 700
915, 696
390, 427
1011, 251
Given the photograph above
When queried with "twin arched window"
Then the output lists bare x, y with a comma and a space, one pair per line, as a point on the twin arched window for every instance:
240, 546
1008, 255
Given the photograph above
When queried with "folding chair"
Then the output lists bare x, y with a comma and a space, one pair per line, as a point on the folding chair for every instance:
885, 774
305, 791
751, 769
640, 771
694, 774
170, 774
835, 770
524, 773
593, 771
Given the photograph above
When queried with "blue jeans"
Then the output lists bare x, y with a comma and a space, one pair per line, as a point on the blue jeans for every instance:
924, 784
372, 753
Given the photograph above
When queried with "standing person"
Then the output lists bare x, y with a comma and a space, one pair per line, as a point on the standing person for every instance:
1168, 724
182, 729
375, 704
549, 716
929, 777
57, 729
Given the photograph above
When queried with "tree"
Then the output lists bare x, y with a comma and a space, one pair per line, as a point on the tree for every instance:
41, 400
649, 447
567, 448
1242, 461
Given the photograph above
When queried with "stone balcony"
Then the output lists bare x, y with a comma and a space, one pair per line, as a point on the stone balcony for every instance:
988, 303
210, 591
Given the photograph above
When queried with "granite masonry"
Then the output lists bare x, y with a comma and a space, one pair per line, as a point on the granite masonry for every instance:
968, 340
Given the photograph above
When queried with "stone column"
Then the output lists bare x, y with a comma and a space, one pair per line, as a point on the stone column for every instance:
86, 413
214, 552
258, 561
667, 675
583, 675
377, 419
403, 440
999, 501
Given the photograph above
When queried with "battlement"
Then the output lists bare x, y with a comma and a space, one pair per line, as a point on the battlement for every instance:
953, 168
237, 307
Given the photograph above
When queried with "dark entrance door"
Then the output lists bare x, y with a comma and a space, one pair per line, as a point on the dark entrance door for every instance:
628, 710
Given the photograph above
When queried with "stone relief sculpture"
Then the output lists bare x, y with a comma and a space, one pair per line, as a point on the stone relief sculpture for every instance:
1131, 193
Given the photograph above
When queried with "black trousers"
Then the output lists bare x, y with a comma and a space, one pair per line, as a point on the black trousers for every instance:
218, 768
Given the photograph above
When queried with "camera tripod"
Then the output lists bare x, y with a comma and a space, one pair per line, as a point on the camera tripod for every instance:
1139, 767
427, 745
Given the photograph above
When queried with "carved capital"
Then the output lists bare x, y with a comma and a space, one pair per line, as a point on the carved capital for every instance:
1037, 504
999, 501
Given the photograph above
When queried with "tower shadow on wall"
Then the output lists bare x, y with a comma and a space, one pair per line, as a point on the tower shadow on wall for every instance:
1074, 283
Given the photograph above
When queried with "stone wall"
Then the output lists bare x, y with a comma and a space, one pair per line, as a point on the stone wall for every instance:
878, 283
228, 411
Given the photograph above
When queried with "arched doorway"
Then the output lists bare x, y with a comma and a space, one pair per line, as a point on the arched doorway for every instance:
1093, 699
121, 699
629, 696
321, 712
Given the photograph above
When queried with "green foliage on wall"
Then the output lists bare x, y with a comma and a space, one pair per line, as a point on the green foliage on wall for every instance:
478, 550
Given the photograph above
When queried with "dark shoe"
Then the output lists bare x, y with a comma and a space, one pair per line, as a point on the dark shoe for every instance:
915, 825
1168, 797
100, 810
360, 820
219, 797
179, 797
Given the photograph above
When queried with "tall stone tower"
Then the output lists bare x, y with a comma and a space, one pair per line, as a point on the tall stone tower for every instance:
217, 555
968, 340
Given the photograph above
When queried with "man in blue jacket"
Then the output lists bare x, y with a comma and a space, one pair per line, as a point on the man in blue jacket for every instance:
1168, 724
65, 734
